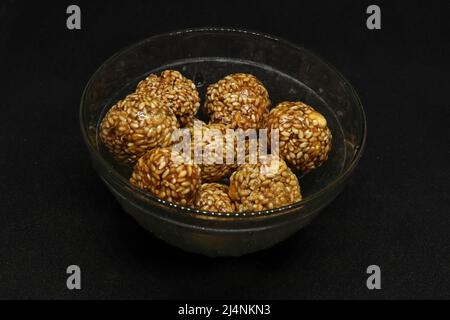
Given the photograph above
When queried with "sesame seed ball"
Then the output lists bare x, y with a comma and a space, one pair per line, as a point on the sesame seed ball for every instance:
305, 139
168, 175
215, 149
135, 125
231, 147
214, 197
247, 151
268, 184
238, 100
176, 91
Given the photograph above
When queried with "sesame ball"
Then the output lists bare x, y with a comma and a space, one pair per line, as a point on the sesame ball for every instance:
214, 197
247, 150
176, 91
231, 151
268, 184
135, 125
305, 139
168, 175
239, 100
209, 142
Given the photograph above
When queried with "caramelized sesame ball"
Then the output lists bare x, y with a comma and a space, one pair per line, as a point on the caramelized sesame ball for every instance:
305, 139
176, 91
168, 175
266, 185
210, 143
239, 101
203, 138
135, 125
214, 197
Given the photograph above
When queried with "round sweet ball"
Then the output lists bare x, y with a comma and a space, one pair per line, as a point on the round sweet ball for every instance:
305, 139
239, 101
176, 91
168, 175
247, 150
209, 142
266, 185
135, 125
214, 197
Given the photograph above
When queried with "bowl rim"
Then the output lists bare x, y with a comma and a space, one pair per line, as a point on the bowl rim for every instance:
210, 214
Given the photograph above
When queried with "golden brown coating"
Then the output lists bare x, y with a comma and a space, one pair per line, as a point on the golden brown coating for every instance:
214, 197
305, 139
135, 125
175, 91
268, 184
239, 101
168, 175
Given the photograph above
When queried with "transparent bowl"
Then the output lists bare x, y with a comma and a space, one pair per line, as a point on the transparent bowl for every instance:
289, 72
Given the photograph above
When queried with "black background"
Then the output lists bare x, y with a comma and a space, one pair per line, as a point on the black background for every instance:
55, 211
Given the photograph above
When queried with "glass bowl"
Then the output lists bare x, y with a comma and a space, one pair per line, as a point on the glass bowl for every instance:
289, 72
